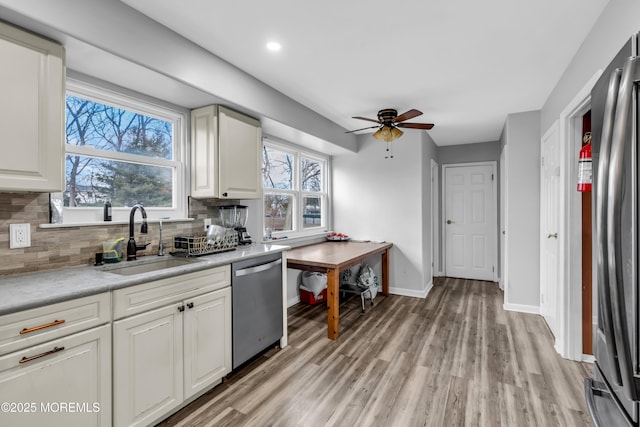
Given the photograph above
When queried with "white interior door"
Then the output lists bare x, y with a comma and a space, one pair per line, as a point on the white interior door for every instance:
435, 210
470, 221
549, 225
504, 221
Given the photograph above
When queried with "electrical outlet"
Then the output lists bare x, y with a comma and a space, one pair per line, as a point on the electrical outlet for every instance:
207, 223
20, 235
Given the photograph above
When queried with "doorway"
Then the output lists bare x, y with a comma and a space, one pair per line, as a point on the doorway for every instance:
469, 216
570, 314
587, 264
504, 221
435, 221
550, 215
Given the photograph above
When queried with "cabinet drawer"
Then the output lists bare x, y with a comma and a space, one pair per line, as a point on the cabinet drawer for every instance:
141, 298
75, 369
30, 327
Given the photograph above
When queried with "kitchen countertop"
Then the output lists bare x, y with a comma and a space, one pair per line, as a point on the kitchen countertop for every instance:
25, 291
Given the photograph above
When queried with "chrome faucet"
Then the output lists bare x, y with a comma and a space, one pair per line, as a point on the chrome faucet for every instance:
132, 247
161, 245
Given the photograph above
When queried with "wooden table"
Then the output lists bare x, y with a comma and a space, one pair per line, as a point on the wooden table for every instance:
333, 257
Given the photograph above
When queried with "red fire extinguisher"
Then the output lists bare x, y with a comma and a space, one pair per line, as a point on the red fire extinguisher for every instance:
585, 165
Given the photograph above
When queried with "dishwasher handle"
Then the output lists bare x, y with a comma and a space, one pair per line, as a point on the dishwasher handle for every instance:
258, 268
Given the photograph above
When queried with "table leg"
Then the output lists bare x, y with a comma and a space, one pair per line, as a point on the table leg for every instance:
333, 302
385, 272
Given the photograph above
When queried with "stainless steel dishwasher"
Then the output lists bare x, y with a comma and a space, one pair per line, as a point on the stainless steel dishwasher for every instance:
256, 288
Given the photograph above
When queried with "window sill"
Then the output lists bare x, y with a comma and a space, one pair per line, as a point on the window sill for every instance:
299, 240
107, 223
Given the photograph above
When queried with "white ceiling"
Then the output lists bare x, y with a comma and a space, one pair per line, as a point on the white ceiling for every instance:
465, 63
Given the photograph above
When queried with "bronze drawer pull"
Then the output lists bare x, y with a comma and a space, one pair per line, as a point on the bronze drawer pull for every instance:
46, 353
37, 328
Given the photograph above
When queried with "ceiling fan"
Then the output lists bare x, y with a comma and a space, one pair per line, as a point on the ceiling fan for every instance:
389, 121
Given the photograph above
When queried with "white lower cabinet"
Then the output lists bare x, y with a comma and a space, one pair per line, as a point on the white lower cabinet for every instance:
62, 382
165, 356
207, 341
147, 366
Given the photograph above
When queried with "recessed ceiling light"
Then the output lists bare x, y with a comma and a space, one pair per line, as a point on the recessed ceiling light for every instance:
274, 46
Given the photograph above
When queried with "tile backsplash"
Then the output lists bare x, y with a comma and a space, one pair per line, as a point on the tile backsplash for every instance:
53, 248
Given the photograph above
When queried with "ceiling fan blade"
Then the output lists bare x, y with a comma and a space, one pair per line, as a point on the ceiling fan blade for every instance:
408, 115
357, 130
415, 125
364, 118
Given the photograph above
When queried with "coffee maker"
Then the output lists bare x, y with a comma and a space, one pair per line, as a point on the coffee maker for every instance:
235, 216
242, 213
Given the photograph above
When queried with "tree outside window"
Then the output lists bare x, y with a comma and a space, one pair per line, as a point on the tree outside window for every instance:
294, 190
122, 149
91, 180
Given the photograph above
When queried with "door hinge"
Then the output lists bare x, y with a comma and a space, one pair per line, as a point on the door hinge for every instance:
491, 177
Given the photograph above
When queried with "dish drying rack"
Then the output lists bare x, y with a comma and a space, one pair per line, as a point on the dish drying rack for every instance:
197, 244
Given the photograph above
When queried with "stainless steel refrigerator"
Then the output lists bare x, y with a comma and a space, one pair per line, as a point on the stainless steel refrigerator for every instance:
613, 393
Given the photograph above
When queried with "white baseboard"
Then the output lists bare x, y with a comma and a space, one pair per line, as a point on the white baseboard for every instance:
532, 309
411, 292
589, 358
293, 301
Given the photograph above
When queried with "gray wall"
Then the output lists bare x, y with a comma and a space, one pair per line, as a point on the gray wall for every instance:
522, 134
429, 152
388, 199
618, 21
480, 152
110, 40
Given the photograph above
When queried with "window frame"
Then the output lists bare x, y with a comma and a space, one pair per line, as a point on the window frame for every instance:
179, 163
298, 152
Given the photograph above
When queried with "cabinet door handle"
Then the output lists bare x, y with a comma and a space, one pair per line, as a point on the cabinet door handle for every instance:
225, 194
37, 328
46, 353
190, 305
449, 221
181, 308
554, 235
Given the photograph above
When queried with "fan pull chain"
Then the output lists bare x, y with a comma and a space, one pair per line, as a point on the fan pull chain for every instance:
390, 151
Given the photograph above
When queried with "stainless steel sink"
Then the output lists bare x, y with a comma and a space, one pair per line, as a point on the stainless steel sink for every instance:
148, 265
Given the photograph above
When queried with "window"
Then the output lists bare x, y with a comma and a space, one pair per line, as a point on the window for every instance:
294, 191
124, 150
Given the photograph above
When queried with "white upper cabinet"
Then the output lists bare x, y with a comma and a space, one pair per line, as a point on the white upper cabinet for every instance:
225, 154
32, 85
204, 152
239, 148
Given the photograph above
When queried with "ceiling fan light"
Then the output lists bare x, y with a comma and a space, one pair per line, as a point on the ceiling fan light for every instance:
396, 133
387, 133
381, 133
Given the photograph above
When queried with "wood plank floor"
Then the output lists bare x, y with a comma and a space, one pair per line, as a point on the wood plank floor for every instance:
453, 359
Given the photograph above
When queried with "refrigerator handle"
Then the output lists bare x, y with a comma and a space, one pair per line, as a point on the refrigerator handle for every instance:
589, 391
614, 226
604, 295
601, 390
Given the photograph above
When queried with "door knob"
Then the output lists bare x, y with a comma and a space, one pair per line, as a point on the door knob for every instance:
554, 235
449, 221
